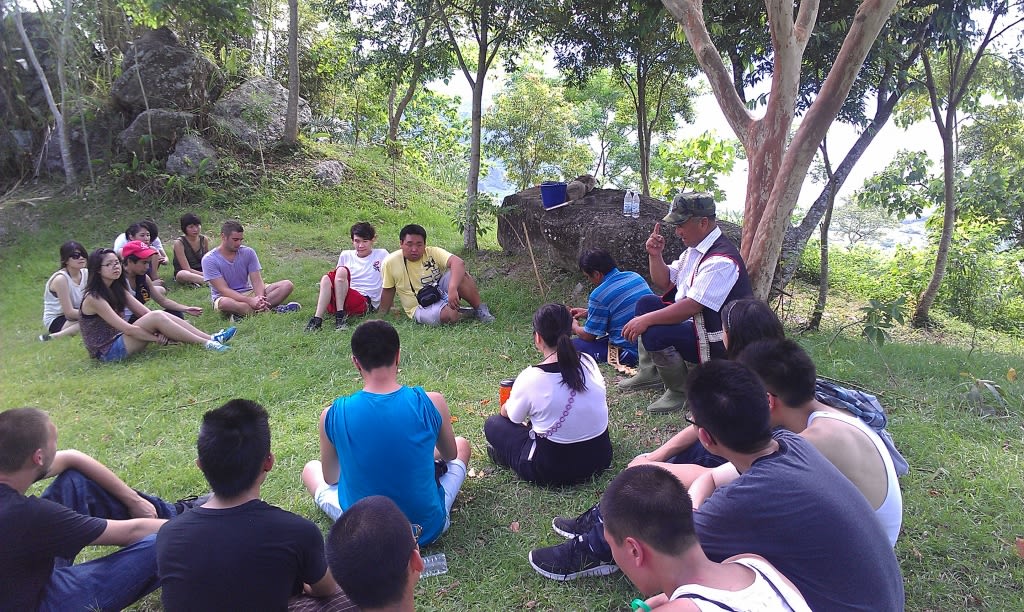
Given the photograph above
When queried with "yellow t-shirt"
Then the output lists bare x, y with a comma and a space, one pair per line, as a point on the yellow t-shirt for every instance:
408, 277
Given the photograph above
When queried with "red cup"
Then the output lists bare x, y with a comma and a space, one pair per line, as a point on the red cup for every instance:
504, 390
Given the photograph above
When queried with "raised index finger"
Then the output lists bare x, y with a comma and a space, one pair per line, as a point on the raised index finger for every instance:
657, 227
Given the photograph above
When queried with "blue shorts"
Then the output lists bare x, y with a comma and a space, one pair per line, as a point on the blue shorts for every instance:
116, 352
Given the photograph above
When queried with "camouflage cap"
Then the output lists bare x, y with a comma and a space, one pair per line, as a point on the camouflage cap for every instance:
687, 205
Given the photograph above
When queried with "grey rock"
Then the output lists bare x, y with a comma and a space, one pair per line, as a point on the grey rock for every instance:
255, 112
330, 173
158, 72
560, 235
154, 132
97, 125
188, 155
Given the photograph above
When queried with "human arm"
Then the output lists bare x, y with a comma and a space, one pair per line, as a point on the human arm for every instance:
581, 333
180, 259
115, 320
705, 485
387, 299
322, 588
328, 454
655, 247
221, 286
677, 312
159, 248
167, 303
675, 445
446, 447
130, 531
457, 270
59, 287
259, 289
95, 471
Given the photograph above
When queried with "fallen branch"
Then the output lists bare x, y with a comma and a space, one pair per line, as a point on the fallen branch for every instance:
540, 283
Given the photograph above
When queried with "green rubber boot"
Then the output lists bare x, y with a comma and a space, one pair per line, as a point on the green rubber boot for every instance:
646, 376
672, 369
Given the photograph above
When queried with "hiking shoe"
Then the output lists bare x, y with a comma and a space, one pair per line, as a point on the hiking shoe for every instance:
224, 335
314, 324
192, 501
570, 560
483, 314
571, 527
340, 321
45, 338
467, 312
493, 454
213, 345
289, 307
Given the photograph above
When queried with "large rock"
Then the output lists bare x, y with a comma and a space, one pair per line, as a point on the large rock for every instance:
330, 173
154, 132
158, 72
255, 112
595, 221
98, 126
188, 155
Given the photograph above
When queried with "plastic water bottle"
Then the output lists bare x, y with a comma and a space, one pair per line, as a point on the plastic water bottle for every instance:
434, 565
635, 208
626, 203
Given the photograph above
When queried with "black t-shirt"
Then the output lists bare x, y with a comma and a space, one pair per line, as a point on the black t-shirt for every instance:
250, 557
33, 532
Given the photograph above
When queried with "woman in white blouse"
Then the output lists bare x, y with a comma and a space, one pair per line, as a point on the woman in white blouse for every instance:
553, 429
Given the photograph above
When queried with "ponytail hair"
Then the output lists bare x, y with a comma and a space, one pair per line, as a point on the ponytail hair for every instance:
553, 324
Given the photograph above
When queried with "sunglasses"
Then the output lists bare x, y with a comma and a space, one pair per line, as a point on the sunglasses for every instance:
77, 255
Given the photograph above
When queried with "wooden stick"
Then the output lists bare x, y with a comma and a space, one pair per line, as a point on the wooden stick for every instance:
540, 283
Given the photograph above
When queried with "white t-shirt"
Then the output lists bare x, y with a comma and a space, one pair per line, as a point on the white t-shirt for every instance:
365, 272
541, 397
122, 240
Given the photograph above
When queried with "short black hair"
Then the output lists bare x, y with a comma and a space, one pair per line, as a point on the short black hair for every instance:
23, 431
749, 320
728, 400
375, 344
229, 227
134, 228
597, 260
233, 443
412, 228
364, 230
785, 369
154, 230
649, 503
188, 219
368, 552
68, 249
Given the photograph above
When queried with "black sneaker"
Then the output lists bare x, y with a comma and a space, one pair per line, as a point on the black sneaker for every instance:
314, 324
493, 454
572, 527
45, 338
570, 560
340, 321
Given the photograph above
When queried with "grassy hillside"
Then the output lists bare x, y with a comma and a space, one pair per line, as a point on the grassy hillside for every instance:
964, 500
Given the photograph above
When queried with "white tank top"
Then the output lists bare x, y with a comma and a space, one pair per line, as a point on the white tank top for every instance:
768, 593
890, 513
51, 304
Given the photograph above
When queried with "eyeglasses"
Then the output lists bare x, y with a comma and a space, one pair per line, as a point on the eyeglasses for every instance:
417, 531
78, 255
689, 420
111, 264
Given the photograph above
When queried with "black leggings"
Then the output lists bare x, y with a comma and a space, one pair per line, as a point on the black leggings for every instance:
552, 463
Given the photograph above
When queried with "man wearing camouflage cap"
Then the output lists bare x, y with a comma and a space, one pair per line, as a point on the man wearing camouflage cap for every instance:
708, 274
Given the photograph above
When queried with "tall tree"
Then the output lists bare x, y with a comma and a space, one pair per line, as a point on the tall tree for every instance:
492, 26
599, 118
291, 118
777, 163
961, 47
637, 40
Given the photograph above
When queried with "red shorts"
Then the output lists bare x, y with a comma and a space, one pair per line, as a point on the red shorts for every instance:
356, 304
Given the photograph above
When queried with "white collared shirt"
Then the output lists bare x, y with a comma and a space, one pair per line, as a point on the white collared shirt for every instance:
711, 282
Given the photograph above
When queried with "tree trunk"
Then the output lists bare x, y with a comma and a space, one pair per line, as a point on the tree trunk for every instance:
291, 119
473, 180
819, 306
70, 178
643, 132
927, 297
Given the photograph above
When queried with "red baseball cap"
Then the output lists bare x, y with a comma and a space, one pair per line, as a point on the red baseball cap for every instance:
137, 248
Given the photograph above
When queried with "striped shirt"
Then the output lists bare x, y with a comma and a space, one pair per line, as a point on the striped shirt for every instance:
710, 283
612, 304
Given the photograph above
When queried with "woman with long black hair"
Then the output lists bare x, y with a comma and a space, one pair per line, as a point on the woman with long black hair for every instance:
553, 429
108, 337
64, 291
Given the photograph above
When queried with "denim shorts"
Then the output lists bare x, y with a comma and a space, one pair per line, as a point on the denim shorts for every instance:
116, 352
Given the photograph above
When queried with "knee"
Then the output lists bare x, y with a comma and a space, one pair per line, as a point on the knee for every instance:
463, 449
648, 303
342, 275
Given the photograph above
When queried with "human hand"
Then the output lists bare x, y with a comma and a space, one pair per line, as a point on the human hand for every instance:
578, 312
640, 459
634, 328
140, 507
195, 311
161, 339
655, 242
163, 260
453, 298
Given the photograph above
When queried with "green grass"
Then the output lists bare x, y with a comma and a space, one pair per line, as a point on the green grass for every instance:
963, 496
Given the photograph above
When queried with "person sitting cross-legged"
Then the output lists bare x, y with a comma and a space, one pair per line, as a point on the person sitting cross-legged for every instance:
238, 552
354, 287
385, 439
374, 557
415, 266
235, 276
86, 504
649, 527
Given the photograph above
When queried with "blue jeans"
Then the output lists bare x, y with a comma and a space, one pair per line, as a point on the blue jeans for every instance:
682, 336
598, 349
113, 582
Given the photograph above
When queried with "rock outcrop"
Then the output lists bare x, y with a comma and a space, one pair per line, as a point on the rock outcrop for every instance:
189, 154
154, 132
595, 221
255, 112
